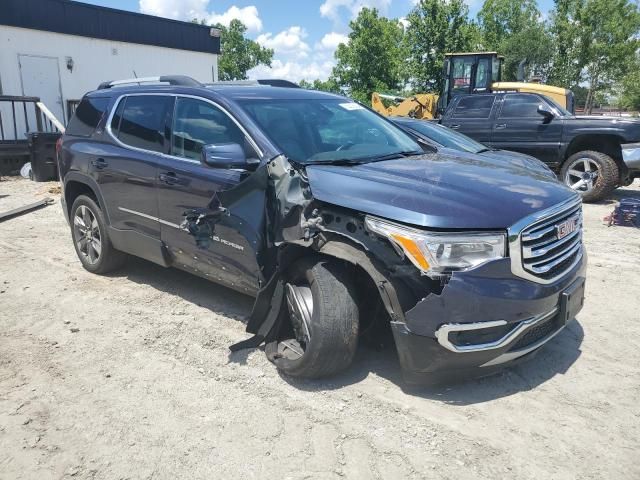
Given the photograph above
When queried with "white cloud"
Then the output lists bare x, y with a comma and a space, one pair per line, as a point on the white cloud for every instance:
190, 9
331, 41
294, 71
333, 8
247, 15
288, 43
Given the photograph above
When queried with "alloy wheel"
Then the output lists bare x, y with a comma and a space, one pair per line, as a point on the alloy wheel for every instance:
300, 306
582, 174
87, 234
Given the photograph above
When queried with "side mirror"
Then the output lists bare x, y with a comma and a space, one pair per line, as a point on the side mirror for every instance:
224, 155
546, 112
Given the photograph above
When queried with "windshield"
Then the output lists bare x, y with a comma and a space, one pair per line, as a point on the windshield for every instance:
328, 130
446, 137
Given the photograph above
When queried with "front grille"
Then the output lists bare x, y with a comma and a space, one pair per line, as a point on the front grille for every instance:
552, 246
536, 333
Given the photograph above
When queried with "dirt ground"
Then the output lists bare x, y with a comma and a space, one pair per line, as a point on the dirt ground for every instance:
129, 377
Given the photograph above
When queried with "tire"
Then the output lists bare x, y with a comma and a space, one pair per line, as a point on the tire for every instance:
594, 183
96, 253
327, 341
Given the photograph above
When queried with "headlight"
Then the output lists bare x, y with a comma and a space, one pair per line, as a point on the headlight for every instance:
436, 253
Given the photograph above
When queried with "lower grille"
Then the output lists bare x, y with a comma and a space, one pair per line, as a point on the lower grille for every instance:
536, 333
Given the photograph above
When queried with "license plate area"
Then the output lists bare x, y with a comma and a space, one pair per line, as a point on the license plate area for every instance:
571, 301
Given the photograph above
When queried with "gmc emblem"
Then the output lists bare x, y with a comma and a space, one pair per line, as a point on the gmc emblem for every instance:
568, 226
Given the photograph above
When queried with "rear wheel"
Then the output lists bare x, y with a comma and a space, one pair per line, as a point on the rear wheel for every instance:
90, 239
319, 332
592, 174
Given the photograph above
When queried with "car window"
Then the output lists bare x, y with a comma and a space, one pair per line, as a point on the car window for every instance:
140, 120
197, 123
327, 129
87, 116
519, 106
474, 106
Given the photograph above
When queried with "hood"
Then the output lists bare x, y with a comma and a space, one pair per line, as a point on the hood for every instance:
439, 190
522, 160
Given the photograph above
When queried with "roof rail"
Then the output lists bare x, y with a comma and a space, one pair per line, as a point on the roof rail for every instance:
180, 80
273, 82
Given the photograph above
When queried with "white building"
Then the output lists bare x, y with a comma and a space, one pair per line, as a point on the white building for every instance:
58, 50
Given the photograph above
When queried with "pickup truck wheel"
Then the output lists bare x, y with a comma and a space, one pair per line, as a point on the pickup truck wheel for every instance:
319, 334
592, 174
90, 239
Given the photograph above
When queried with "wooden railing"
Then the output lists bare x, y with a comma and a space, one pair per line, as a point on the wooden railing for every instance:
21, 115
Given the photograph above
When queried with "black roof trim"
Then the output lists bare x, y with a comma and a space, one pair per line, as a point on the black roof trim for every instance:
75, 18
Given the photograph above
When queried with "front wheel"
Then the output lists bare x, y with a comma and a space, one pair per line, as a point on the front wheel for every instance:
592, 174
319, 334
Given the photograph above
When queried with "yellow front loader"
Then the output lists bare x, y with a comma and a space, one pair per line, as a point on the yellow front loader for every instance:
464, 74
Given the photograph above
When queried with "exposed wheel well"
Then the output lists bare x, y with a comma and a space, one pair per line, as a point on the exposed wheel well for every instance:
74, 189
607, 144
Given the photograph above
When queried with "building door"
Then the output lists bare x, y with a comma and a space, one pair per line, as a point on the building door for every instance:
40, 77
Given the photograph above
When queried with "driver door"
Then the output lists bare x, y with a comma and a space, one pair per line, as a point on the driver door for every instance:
228, 256
520, 128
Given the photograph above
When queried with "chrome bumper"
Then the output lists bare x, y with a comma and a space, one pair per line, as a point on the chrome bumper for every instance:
631, 155
442, 334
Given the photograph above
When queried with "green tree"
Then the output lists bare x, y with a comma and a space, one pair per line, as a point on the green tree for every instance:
608, 43
436, 27
564, 24
630, 88
238, 53
514, 28
372, 58
329, 85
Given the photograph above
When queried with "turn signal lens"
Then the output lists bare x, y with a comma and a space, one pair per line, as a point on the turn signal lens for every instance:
412, 250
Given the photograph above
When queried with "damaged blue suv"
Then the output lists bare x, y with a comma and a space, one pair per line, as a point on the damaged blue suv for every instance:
332, 217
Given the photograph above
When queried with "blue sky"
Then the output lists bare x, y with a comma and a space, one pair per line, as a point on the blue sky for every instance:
303, 33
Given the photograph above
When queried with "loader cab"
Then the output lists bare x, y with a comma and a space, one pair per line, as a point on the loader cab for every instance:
466, 73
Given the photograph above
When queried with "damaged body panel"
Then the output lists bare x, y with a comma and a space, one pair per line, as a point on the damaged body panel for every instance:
333, 218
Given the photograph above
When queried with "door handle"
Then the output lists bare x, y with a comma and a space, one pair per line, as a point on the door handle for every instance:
455, 126
501, 126
170, 178
99, 163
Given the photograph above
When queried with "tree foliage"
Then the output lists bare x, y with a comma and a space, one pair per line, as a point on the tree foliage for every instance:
514, 29
436, 27
329, 85
372, 58
238, 53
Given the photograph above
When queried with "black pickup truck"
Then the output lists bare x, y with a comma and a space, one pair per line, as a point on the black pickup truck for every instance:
592, 155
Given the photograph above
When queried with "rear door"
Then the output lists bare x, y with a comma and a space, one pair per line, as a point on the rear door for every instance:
472, 115
228, 254
519, 127
125, 166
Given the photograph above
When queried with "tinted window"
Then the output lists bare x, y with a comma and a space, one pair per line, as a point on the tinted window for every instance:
87, 116
142, 123
521, 106
197, 123
474, 106
445, 136
328, 129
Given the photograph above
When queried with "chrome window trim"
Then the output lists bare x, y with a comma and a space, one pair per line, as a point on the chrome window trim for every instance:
515, 233
175, 96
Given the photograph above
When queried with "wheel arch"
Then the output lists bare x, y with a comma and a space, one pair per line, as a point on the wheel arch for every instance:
609, 144
76, 184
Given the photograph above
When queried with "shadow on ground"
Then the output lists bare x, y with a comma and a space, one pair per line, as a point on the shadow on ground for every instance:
553, 359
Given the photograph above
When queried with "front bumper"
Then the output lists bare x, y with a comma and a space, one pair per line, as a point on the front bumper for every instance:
482, 320
631, 155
